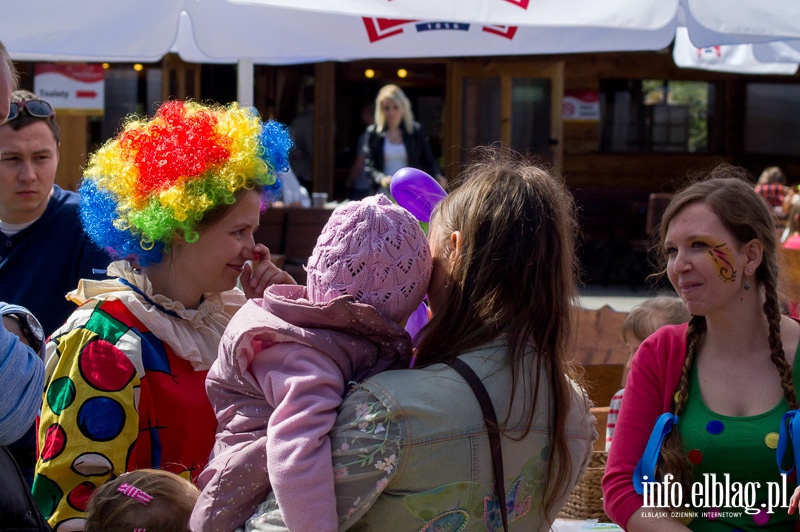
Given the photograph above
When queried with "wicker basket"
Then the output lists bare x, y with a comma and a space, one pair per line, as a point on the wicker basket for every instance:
586, 499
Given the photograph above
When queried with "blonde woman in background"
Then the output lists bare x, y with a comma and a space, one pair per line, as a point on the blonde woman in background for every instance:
396, 140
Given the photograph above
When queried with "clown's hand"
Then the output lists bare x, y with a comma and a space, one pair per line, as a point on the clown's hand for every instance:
261, 273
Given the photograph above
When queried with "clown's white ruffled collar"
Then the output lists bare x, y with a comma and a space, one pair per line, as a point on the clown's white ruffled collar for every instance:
193, 334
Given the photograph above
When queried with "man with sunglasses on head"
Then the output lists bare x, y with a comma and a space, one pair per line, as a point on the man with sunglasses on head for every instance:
43, 249
21, 381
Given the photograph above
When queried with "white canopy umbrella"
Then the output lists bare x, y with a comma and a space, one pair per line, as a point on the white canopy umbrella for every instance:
220, 30
779, 51
292, 31
710, 22
738, 58
298, 31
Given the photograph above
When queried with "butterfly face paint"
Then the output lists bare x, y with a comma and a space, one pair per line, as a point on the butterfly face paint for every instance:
721, 256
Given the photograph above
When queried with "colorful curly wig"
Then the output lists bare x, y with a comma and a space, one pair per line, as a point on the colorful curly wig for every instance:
158, 178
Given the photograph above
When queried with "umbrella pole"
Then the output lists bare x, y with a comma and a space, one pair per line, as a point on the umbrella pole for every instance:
244, 82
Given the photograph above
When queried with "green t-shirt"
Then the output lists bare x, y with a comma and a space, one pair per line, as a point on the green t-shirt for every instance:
744, 448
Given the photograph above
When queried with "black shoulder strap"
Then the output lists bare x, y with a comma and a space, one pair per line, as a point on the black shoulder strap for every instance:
492, 427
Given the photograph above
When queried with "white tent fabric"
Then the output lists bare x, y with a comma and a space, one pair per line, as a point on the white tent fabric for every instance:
302, 31
710, 22
737, 58
93, 30
221, 31
779, 51
293, 31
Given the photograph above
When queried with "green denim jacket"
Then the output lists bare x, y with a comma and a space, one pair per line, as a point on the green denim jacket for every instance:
411, 451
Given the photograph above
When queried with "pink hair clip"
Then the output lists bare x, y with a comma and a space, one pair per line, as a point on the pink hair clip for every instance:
135, 493
139, 530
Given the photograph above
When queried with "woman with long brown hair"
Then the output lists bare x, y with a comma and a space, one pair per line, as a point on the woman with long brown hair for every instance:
411, 450
727, 375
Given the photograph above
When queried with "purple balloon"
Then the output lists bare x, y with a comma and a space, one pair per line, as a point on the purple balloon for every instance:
417, 321
417, 192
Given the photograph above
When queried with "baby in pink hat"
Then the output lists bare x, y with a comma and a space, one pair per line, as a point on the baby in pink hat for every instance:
285, 362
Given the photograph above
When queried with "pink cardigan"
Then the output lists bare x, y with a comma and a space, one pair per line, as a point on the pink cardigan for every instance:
652, 383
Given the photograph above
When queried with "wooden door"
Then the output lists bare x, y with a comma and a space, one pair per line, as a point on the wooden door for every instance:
514, 104
181, 80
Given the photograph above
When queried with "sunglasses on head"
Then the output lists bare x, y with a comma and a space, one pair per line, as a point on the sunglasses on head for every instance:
35, 108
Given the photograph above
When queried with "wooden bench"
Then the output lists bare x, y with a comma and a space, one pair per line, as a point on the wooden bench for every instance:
303, 227
271, 227
789, 275
291, 233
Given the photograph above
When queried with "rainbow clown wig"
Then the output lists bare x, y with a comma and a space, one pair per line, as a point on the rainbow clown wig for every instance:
158, 178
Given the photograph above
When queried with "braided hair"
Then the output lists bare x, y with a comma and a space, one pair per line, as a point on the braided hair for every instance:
728, 192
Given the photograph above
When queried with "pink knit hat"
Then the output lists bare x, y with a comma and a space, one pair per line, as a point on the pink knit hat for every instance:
375, 251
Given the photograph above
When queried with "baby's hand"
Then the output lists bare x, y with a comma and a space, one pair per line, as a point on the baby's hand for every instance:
256, 277
794, 500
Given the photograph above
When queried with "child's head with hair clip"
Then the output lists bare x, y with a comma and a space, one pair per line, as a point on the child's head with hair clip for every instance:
145, 500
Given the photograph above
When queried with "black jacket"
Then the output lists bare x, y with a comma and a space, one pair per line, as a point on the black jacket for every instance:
418, 150
18, 511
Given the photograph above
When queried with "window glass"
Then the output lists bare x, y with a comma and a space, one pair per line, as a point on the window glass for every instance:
773, 111
656, 115
481, 112
530, 115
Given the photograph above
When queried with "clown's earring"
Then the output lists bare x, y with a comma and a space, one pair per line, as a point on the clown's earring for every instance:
747, 282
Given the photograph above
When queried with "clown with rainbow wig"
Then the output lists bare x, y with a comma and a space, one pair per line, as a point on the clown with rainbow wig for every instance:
174, 200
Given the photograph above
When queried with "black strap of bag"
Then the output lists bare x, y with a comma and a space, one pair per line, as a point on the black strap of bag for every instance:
491, 426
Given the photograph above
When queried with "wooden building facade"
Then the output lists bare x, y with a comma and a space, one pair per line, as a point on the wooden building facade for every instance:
648, 123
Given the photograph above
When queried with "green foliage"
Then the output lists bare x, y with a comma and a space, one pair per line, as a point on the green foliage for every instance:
694, 94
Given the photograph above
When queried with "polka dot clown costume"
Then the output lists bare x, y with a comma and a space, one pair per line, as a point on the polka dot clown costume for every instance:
125, 385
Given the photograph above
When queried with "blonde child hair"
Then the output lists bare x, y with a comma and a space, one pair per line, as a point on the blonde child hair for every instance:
145, 500
642, 321
646, 318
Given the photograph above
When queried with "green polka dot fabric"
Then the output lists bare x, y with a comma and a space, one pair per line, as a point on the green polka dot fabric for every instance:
743, 447
117, 399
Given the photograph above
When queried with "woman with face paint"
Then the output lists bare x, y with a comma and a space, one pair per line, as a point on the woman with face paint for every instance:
728, 375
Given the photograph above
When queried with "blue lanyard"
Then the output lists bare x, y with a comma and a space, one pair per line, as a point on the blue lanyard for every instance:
789, 439
647, 463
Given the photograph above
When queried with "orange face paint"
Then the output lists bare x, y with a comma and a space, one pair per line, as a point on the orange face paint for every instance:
721, 256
